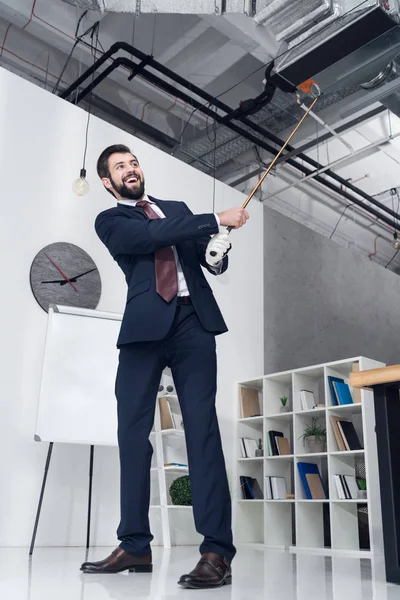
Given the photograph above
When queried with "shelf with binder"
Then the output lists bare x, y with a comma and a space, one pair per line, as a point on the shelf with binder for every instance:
310, 476
250, 399
345, 431
250, 438
290, 522
278, 479
345, 474
278, 436
312, 382
250, 480
340, 373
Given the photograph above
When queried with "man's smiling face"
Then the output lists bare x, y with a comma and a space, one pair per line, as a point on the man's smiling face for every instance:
126, 178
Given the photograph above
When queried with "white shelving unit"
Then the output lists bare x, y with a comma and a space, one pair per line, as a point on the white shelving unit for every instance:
301, 523
170, 524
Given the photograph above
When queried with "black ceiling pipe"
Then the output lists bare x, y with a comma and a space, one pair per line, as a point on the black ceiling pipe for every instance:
162, 84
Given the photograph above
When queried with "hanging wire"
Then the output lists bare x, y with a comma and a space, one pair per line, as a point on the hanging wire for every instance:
154, 34
95, 32
214, 161
78, 39
340, 218
392, 259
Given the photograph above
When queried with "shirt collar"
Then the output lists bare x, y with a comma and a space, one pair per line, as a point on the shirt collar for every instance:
134, 202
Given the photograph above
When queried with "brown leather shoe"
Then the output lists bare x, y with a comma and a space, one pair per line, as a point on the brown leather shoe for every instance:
211, 571
119, 561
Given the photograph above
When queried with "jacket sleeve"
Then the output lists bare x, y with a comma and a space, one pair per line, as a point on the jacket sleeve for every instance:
129, 235
202, 243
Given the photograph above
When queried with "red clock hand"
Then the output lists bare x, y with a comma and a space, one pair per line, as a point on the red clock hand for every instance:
59, 270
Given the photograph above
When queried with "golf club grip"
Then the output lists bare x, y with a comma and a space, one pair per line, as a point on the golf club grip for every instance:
228, 229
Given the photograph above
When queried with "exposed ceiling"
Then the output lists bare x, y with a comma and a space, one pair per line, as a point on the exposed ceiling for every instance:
226, 54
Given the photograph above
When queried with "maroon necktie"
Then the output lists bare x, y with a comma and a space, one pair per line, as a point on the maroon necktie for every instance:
166, 275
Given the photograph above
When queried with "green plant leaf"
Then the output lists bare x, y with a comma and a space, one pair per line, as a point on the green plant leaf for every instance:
313, 430
180, 491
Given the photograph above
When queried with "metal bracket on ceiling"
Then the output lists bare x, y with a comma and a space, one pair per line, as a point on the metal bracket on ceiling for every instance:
252, 8
220, 7
139, 68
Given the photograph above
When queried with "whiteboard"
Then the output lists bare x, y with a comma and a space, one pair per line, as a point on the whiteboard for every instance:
77, 402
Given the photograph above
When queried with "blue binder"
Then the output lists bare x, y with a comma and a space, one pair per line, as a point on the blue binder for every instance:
344, 394
305, 468
330, 379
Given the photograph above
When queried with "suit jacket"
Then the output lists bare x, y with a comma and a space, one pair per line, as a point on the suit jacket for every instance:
132, 239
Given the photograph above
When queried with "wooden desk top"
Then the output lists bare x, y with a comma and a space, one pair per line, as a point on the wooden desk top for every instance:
372, 377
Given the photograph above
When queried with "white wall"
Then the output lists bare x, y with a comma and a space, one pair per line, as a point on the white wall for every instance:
41, 148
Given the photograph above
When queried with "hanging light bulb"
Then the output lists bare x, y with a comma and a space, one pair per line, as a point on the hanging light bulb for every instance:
396, 242
81, 185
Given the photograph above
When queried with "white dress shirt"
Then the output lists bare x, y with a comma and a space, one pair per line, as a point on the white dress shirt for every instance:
182, 285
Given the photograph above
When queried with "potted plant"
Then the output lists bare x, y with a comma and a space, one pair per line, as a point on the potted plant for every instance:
180, 491
284, 407
314, 437
362, 488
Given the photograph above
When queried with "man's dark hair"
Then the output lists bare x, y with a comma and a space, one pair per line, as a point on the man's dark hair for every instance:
102, 164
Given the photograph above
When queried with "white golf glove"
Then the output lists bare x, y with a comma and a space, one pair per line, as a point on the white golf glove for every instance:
218, 247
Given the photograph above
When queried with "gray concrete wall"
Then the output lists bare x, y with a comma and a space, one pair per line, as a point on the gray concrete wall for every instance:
324, 302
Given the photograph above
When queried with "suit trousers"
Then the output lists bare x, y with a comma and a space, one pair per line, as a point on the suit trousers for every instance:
189, 351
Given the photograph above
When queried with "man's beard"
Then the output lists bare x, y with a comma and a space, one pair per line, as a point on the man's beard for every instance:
128, 193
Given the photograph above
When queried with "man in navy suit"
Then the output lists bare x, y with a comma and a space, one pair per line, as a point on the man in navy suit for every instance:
171, 319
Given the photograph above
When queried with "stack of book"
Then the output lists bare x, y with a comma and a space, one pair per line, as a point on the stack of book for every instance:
169, 419
340, 391
249, 403
345, 434
307, 399
347, 487
278, 445
311, 480
248, 447
250, 488
276, 488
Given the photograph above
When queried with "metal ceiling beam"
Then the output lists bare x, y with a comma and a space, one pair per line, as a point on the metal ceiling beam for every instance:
310, 145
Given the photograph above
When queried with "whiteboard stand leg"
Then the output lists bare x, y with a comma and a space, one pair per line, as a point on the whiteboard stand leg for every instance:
90, 496
46, 470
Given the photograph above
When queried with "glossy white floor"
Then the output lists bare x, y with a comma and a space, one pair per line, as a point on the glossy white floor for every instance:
53, 574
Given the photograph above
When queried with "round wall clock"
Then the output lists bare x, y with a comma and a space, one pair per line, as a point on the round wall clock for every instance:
63, 273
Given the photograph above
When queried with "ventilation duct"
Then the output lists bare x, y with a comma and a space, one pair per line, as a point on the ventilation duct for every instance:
353, 47
285, 18
205, 7
87, 4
